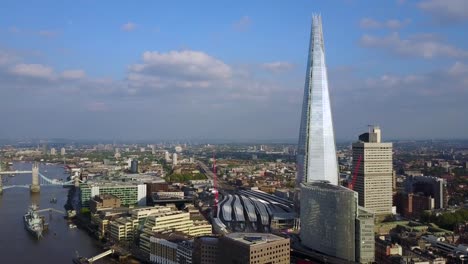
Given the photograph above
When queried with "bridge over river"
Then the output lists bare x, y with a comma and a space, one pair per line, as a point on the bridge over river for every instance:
38, 180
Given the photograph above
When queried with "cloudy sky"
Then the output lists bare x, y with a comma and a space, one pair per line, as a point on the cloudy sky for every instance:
229, 69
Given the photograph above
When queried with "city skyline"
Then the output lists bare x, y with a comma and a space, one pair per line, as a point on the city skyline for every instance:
82, 72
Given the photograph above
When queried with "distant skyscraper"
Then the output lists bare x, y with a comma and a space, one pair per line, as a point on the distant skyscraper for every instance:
63, 151
44, 149
53, 151
316, 156
334, 224
174, 159
374, 181
134, 166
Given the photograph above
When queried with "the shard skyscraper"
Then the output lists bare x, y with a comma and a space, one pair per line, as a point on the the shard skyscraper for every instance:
316, 156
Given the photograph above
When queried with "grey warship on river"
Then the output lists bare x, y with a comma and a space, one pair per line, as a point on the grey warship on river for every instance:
33, 222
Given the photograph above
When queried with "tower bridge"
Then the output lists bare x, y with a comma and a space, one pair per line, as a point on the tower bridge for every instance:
38, 180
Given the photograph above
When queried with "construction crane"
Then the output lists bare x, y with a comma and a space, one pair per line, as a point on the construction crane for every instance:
356, 170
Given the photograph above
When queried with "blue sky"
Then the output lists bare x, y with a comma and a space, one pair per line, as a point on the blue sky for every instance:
233, 70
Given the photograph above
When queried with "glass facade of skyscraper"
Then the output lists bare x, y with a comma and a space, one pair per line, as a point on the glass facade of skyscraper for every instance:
316, 157
328, 219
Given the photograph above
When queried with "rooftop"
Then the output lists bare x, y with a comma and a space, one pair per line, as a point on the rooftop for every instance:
117, 184
253, 238
324, 185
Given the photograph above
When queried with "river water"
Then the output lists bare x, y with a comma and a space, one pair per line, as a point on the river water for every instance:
60, 244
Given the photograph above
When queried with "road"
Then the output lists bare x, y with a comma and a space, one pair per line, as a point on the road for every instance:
222, 185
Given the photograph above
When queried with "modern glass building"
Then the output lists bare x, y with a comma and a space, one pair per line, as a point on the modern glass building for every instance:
316, 157
332, 222
328, 218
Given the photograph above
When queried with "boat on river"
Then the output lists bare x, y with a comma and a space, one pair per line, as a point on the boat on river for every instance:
33, 222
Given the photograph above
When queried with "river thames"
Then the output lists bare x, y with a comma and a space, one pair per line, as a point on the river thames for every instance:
60, 244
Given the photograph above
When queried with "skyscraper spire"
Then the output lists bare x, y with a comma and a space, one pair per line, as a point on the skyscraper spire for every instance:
316, 158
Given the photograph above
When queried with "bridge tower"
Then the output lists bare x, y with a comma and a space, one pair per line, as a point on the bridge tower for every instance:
35, 187
77, 181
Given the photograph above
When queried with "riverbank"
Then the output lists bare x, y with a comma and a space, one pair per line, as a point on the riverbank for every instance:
83, 222
61, 244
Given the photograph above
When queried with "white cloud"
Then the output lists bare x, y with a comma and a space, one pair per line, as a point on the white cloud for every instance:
33, 70
445, 11
370, 23
243, 24
278, 66
73, 74
449, 84
195, 76
184, 69
130, 26
395, 81
397, 24
189, 84
414, 46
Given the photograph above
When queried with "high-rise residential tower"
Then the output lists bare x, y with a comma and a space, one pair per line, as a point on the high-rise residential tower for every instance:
374, 181
316, 156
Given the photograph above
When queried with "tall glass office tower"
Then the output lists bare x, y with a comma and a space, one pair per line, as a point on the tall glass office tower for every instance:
316, 156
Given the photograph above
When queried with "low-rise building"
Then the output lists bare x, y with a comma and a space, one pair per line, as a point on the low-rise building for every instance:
185, 252
142, 213
260, 248
172, 220
170, 195
103, 201
384, 249
205, 250
163, 248
123, 229
413, 205
171, 248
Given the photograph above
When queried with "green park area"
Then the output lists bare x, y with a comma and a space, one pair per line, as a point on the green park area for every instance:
185, 177
447, 220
